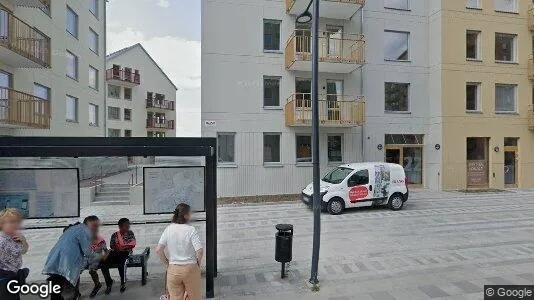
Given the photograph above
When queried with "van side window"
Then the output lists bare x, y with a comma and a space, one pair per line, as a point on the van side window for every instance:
359, 178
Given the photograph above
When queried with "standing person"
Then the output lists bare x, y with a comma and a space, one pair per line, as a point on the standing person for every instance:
69, 256
12, 246
122, 243
180, 249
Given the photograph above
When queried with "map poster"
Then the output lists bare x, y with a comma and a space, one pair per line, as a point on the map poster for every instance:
166, 187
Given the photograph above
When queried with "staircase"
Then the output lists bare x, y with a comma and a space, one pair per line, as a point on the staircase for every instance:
112, 194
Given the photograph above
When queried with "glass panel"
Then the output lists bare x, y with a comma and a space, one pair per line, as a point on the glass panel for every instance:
472, 96
304, 152
72, 109
334, 38
477, 161
41, 91
72, 65
393, 156
413, 164
335, 152
472, 44
72, 22
396, 96
505, 98
508, 141
303, 92
271, 148
93, 78
396, 45
225, 148
114, 91
5, 79
271, 91
473, 4
504, 47
509, 167
303, 38
93, 7
93, 41
271, 35
506, 5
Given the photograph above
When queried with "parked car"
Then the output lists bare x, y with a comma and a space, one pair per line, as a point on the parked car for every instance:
359, 185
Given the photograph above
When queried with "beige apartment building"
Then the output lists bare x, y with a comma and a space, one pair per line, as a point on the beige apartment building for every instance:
52, 66
141, 98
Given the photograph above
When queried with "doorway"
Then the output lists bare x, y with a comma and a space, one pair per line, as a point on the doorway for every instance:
406, 150
334, 93
511, 162
334, 38
477, 162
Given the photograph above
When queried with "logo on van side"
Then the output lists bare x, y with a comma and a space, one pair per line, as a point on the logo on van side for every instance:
358, 192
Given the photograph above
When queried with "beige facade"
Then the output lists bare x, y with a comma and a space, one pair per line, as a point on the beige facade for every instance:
34, 63
492, 77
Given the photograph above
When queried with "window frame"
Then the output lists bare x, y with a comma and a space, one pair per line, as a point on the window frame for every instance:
114, 130
273, 163
408, 8
48, 91
97, 8
96, 87
226, 134
408, 44
76, 66
515, 94
305, 135
97, 115
478, 45
279, 23
124, 93
109, 90
328, 148
513, 59
77, 22
97, 48
124, 114
514, 11
408, 96
478, 86
356, 173
279, 79
76, 105
118, 109
478, 5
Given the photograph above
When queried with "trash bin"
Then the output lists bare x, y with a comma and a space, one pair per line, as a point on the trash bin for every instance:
284, 245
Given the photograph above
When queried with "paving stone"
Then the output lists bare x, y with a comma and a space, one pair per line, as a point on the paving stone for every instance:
433, 291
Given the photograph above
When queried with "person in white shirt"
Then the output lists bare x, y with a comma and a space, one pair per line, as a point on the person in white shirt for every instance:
180, 250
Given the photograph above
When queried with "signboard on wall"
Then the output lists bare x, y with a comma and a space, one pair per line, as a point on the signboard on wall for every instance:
166, 187
41, 193
477, 172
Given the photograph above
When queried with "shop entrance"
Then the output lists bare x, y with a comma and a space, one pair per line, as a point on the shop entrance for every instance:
477, 162
406, 150
511, 162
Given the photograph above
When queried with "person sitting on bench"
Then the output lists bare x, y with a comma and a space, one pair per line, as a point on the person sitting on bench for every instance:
122, 243
100, 249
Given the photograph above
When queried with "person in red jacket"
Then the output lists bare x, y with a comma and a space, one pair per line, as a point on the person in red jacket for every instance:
122, 243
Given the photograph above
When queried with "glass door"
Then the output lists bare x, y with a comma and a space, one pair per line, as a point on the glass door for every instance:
303, 39
477, 162
334, 39
303, 92
334, 93
511, 162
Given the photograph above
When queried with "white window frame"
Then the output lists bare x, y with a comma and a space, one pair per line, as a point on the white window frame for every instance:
77, 22
478, 97
109, 90
76, 62
114, 130
409, 34
118, 109
97, 117
514, 50
408, 8
514, 11
76, 104
279, 33
226, 163
478, 41
272, 163
477, 6
515, 86
279, 92
91, 68
97, 46
97, 8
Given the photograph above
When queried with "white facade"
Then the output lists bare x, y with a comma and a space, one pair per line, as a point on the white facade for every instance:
154, 117
52, 22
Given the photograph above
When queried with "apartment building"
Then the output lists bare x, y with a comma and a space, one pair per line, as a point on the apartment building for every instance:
52, 65
444, 86
141, 99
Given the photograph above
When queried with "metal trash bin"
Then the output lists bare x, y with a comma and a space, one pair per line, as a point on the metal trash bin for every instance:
284, 246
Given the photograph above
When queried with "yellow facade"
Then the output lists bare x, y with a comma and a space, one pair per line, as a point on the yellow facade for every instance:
457, 71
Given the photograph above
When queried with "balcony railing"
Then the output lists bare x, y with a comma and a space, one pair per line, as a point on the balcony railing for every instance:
332, 9
23, 39
160, 124
23, 110
125, 75
530, 18
333, 49
531, 117
334, 110
161, 104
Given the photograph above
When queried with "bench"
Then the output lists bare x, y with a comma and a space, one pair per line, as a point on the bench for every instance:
137, 261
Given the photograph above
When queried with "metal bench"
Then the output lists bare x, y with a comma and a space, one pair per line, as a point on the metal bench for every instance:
137, 261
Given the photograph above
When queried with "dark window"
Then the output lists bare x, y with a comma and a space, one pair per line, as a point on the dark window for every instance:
397, 96
304, 154
472, 41
127, 114
271, 35
271, 91
335, 152
505, 47
127, 93
359, 178
271, 148
226, 147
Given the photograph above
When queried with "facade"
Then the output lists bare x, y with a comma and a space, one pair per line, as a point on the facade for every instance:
445, 85
52, 65
141, 99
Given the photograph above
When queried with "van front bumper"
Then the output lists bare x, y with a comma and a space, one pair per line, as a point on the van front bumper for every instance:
307, 199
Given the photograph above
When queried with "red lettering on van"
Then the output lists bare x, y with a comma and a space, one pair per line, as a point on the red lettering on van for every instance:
357, 193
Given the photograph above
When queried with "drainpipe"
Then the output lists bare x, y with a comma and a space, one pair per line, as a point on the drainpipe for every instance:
361, 92
105, 89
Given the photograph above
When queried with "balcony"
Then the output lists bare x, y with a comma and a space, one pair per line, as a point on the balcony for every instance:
531, 117
43, 4
160, 104
332, 9
530, 18
161, 124
337, 54
125, 77
21, 45
334, 110
21, 110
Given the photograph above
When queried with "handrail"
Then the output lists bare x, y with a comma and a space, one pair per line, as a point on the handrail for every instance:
290, 3
162, 104
160, 123
334, 110
123, 75
23, 39
22, 109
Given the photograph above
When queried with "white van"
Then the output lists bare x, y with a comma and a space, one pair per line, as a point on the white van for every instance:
361, 184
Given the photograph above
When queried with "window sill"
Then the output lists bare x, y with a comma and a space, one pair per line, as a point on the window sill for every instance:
473, 60
273, 108
399, 9
73, 78
273, 51
118, 120
93, 88
72, 121
507, 12
506, 62
510, 113
474, 112
72, 34
304, 164
93, 125
474, 8
273, 165
399, 61
95, 52
397, 112
227, 165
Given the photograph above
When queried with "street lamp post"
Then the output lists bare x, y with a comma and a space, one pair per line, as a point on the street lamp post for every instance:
306, 17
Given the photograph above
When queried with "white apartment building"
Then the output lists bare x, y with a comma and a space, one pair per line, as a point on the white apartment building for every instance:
374, 83
141, 99
52, 66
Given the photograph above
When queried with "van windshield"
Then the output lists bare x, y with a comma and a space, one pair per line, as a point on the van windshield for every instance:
337, 175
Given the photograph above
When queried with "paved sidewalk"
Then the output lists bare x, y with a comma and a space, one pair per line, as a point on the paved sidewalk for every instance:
444, 245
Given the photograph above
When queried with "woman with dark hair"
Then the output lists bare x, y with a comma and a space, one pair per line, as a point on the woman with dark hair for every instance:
180, 249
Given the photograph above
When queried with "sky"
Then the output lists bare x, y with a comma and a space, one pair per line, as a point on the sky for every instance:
170, 31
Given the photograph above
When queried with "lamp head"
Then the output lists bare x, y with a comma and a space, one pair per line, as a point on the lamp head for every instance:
305, 17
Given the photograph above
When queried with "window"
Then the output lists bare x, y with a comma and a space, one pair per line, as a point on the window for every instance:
473, 4
271, 91
127, 133
511, 141
505, 47
71, 109
472, 40
359, 178
72, 22
93, 115
114, 91
335, 149
271, 148
41, 91
271, 35
226, 147
404, 139
114, 113
304, 151
127, 93
127, 114
72, 66
397, 4
506, 6
505, 95
472, 97
93, 41
397, 97
114, 132
396, 45
93, 7
93, 78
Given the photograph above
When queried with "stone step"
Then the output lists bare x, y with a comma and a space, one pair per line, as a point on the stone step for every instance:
116, 202
112, 198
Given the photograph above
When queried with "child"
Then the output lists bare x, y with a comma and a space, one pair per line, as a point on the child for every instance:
99, 249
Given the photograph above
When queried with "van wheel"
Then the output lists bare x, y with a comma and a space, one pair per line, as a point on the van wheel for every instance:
335, 206
396, 202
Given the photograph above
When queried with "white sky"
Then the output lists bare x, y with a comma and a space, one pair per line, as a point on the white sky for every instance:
170, 31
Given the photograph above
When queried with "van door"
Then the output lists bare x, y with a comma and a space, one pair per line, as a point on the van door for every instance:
360, 188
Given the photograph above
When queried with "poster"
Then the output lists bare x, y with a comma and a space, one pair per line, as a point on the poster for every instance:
477, 172
382, 181
166, 187
41, 193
